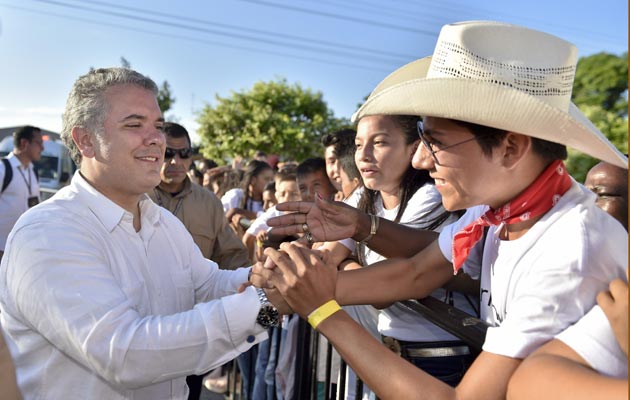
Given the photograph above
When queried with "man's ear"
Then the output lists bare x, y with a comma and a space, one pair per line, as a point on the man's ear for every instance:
516, 146
84, 141
23, 144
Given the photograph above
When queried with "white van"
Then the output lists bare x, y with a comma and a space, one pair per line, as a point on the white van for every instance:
55, 168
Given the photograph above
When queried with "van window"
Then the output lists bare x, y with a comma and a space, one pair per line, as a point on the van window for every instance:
47, 167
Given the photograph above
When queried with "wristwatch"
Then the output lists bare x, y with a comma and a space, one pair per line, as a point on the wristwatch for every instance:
268, 314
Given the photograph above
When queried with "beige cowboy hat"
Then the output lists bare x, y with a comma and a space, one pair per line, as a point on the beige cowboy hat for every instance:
497, 75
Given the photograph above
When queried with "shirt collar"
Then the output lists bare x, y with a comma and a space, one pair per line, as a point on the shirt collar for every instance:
185, 191
106, 211
15, 162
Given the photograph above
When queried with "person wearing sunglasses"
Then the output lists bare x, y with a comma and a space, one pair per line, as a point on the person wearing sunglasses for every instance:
200, 211
103, 293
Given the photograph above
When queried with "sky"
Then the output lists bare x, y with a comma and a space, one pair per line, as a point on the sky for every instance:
209, 48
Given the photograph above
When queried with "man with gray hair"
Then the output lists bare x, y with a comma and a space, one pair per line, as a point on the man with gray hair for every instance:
104, 294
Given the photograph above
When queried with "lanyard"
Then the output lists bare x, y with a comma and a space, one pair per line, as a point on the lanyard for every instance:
161, 204
28, 183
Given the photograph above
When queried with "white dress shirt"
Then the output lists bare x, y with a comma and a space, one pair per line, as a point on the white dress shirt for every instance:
93, 309
14, 199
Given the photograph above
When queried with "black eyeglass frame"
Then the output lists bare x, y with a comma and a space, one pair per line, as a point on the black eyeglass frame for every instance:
184, 154
429, 146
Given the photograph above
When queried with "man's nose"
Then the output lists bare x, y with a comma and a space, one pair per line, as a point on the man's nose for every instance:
422, 158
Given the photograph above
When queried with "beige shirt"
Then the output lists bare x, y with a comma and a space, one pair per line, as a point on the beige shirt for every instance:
202, 213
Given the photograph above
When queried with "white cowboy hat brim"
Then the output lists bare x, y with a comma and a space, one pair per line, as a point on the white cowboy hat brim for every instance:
407, 91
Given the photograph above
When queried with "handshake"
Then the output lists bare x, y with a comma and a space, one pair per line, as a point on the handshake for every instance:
295, 278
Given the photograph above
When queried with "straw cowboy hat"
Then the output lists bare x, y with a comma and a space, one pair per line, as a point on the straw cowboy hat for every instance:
497, 75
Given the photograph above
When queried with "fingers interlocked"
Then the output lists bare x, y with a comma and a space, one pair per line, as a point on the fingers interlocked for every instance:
309, 237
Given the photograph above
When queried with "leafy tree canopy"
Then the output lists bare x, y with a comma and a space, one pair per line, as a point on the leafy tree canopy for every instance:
600, 91
275, 117
602, 80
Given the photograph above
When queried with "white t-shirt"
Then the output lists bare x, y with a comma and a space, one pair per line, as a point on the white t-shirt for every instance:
93, 309
397, 321
233, 197
536, 286
14, 199
593, 339
352, 200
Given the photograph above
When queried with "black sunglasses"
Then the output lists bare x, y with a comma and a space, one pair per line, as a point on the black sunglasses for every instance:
183, 153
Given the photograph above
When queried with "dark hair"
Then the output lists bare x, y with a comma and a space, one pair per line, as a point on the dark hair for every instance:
284, 175
26, 132
175, 131
344, 150
412, 180
490, 138
339, 138
349, 166
270, 186
252, 170
206, 164
310, 166
196, 172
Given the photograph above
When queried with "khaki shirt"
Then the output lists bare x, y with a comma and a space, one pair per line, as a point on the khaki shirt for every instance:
202, 213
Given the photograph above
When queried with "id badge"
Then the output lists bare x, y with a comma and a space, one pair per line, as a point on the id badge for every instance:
33, 201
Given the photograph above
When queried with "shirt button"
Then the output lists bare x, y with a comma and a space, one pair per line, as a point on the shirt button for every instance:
250, 339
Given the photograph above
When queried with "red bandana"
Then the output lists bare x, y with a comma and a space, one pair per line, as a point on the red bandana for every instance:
536, 200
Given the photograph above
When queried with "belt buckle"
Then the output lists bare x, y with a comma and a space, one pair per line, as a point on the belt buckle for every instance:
392, 344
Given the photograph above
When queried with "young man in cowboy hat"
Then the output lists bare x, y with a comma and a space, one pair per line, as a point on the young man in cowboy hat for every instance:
497, 115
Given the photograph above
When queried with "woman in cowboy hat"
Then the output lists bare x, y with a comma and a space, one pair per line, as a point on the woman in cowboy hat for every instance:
497, 117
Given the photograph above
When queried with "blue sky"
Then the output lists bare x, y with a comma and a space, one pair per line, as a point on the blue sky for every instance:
342, 48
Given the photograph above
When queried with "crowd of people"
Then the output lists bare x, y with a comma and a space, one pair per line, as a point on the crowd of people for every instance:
153, 268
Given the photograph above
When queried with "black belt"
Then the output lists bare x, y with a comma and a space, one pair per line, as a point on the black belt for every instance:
424, 350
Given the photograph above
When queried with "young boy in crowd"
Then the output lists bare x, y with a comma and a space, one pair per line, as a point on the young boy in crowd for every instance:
333, 142
497, 117
286, 190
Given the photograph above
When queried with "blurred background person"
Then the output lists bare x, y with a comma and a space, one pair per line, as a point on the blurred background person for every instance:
331, 142
610, 184
200, 211
269, 195
20, 186
245, 202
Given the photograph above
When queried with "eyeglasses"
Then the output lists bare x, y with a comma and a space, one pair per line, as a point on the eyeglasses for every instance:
430, 146
183, 153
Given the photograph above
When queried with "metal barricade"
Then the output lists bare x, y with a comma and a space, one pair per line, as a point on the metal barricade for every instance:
469, 329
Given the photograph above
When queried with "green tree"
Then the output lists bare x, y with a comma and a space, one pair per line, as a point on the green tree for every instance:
600, 91
602, 80
165, 98
275, 117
